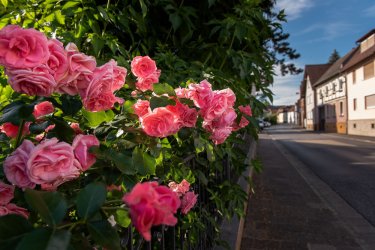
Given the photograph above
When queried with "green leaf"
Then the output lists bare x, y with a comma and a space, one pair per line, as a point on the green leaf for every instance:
70, 4
122, 218
164, 88
62, 130
17, 111
97, 43
45, 239
94, 26
90, 199
128, 106
70, 104
202, 177
96, 118
176, 20
51, 206
143, 162
37, 128
162, 101
123, 162
103, 13
60, 17
144, 8
104, 234
11, 235
4, 3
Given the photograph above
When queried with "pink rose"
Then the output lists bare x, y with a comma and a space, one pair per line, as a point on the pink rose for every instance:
22, 48
220, 102
80, 68
11, 130
188, 201
246, 110
218, 136
14, 209
151, 204
6, 193
141, 108
98, 95
52, 163
187, 117
201, 94
43, 108
58, 59
76, 128
143, 66
15, 165
32, 81
160, 123
147, 83
182, 93
181, 188
81, 145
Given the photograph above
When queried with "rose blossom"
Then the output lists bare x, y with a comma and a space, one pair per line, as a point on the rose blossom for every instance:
146, 83
58, 59
181, 188
245, 110
220, 102
22, 48
187, 117
188, 201
80, 67
11, 130
201, 94
52, 163
32, 81
76, 128
218, 136
160, 122
81, 145
43, 108
6, 193
98, 95
15, 165
143, 66
141, 107
151, 204
14, 209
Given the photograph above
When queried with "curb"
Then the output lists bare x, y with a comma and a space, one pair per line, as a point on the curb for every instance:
232, 230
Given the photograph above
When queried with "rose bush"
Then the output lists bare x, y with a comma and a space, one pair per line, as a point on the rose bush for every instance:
90, 150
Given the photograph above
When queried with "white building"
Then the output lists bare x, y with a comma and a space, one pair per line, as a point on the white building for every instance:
310, 77
360, 76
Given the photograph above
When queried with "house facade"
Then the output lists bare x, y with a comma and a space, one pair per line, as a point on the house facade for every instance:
360, 78
311, 75
331, 105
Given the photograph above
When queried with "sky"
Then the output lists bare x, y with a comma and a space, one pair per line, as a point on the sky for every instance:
316, 28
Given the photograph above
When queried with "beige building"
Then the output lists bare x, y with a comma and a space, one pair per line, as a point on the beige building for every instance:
360, 77
331, 108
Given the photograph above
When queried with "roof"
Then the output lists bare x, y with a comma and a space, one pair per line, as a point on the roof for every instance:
365, 36
358, 57
314, 71
335, 69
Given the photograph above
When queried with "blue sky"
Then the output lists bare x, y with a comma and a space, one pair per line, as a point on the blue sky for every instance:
316, 28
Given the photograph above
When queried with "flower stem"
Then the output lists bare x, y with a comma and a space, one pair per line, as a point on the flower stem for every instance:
19, 134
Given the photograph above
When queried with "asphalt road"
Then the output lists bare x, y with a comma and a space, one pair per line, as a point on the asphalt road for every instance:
345, 163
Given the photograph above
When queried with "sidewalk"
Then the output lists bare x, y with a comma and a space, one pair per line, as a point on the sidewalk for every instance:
285, 213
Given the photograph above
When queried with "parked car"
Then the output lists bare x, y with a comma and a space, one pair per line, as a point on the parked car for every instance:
267, 124
260, 124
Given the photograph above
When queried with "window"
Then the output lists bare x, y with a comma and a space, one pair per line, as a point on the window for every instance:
353, 76
334, 88
327, 90
372, 125
341, 109
354, 125
370, 101
368, 70
355, 104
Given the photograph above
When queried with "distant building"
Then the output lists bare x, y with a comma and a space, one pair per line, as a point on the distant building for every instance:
311, 75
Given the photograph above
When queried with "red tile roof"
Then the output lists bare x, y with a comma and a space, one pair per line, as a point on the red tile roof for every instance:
315, 71
357, 57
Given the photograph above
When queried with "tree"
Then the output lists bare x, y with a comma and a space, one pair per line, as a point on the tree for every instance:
334, 56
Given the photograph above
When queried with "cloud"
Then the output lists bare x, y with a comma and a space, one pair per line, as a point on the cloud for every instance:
327, 31
370, 12
293, 9
286, 88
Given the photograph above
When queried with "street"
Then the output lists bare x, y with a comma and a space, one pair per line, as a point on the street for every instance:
316, 191
345, 163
